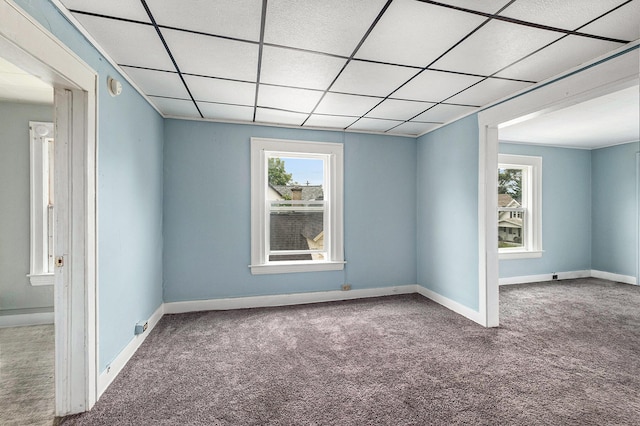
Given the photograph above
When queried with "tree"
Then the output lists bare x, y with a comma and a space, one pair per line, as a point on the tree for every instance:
510, 182
277, 174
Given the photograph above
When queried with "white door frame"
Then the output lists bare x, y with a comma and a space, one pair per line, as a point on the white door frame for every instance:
27, 44
616, 71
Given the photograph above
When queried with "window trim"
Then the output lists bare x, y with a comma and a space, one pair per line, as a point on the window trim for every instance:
41, 264
532, 178
334, 196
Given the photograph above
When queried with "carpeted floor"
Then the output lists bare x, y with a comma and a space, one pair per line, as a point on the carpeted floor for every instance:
26, 376
566, 353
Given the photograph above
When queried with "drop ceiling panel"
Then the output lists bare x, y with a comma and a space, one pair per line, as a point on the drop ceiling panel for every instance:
230, 18
213, 56
567, 53
158, 83
435, 86
299, 69
265, 115
399, 110
330, 26
374, 125
444, 113
339, 104
565, 14
127, 43
119, 8
333, 121
415, 33
366, 78
487, 6
226, 112
413, 128
495, 46
620, 24
176, 107
488, 91
216, 90
298, 100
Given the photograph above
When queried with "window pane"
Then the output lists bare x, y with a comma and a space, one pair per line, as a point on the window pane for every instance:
509, 187
296, 208
511, 229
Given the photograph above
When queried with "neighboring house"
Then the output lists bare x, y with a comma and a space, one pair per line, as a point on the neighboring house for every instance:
296, 230
509, 222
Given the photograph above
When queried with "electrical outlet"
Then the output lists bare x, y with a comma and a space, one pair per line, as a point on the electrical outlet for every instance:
554, 276
141, 327
346, 287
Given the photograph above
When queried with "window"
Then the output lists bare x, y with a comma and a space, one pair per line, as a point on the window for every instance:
519, 206
41, 175
296, 206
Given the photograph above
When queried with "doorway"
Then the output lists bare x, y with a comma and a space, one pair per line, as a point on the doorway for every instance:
33, 49
616, 72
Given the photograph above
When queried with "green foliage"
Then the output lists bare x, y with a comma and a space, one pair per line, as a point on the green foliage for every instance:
277, 174
510, 182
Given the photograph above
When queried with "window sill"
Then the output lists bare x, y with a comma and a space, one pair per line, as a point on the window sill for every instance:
291, 267
529, 254
41, 279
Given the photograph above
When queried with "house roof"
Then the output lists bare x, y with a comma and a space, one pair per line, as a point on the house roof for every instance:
506, 200
309, 192
399, 67
290, 231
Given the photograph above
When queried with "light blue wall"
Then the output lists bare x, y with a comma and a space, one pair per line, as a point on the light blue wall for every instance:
614, 209
16, 292
447, 222
130, 144
566, 211
207, 212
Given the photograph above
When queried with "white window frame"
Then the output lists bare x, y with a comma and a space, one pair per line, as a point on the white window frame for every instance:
531, 167
41, 271
333, 156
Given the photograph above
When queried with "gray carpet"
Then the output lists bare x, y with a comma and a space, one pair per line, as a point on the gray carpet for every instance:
566, 354
26, 376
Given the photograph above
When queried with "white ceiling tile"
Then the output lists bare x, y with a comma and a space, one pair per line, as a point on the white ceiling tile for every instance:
567, 53
127, 43
273, 116
488, 91
299, 100
435, 86
374, 125
399, 110
366, 78
177, 107
226, 112
332, 121
487, 6
565, 14
158, 83
301, 69
230, 18
495, 46
621, 23
213, 56
331, 26
119, 8
339, 104
444, 113
413, 128
415, 33
216, 90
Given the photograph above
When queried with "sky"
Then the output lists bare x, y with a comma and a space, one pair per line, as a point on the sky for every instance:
304, 169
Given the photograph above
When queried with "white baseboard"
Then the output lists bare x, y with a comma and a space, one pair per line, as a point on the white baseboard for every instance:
451, 304
114, 368
21, 320
283, 299
545, 277
627, 279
